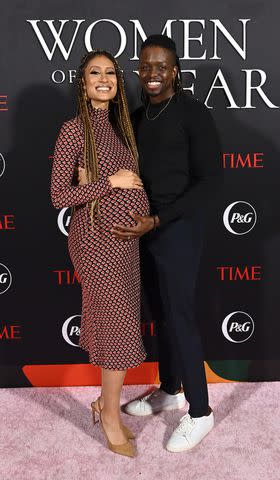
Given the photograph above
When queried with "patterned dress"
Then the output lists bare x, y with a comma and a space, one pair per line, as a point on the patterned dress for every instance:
108, 268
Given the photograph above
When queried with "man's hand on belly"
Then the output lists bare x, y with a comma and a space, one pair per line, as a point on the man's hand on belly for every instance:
144, 224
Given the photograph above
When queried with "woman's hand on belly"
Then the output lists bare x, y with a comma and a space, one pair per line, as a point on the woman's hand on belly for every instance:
82, 176
124, 179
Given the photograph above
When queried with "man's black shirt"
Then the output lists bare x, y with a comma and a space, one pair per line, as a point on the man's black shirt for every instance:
180, 156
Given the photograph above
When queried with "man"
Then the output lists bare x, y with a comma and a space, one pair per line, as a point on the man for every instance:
179, 164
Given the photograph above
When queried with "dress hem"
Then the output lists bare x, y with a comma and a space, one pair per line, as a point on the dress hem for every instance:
97, 364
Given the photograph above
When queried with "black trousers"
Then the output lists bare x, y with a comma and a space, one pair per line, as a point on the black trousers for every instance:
170, 259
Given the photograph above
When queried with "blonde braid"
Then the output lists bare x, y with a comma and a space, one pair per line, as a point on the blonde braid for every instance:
90, 155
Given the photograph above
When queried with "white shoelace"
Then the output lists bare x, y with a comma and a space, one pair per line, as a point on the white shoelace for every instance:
186, 425
150, 396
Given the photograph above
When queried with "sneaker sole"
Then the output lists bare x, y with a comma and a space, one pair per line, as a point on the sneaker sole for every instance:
165, 409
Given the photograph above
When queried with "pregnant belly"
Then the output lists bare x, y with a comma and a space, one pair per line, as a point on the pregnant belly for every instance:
116, 207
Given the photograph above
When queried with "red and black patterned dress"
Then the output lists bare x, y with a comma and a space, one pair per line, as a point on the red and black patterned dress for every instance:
108, 268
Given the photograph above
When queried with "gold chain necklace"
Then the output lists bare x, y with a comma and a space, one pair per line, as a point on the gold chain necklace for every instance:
158, 114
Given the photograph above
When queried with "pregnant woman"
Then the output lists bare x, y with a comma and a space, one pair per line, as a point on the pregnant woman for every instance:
101, 140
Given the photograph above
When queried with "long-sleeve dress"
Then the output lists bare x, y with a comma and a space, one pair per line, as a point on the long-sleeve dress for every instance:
108, 268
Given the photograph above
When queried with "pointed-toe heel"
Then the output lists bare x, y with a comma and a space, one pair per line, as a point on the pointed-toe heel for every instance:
95, 406
126, 449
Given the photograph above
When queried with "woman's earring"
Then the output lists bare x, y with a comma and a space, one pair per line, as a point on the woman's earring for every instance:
115, 101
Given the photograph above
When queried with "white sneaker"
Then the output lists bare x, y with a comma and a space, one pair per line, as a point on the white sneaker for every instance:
157, 401
190, 432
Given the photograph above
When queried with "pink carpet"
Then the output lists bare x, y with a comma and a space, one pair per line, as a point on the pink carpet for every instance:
47, 434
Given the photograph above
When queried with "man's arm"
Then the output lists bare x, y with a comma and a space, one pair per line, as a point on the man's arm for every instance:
205, 170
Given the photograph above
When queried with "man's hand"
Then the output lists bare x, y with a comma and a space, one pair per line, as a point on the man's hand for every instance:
144, 225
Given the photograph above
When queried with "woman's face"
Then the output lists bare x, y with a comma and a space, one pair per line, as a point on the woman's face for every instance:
100, 81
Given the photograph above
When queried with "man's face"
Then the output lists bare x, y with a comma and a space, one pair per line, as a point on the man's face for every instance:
157, 71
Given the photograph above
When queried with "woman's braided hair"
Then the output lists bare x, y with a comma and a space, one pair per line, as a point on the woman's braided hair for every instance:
118, 115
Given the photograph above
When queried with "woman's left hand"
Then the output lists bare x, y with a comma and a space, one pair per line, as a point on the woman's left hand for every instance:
82, 178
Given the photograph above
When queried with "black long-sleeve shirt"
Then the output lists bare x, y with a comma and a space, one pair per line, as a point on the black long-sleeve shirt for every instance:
180, 156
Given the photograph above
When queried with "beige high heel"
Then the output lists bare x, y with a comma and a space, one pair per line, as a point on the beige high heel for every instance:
126, 449
96, 411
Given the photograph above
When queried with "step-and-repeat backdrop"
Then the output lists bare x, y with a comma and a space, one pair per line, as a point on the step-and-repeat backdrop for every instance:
230, 60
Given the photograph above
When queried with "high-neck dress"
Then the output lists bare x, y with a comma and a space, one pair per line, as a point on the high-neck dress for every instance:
108, 268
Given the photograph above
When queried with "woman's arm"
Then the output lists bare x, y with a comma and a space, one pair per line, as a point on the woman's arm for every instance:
63, 193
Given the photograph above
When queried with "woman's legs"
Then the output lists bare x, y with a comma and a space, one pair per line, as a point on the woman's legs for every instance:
112, 382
